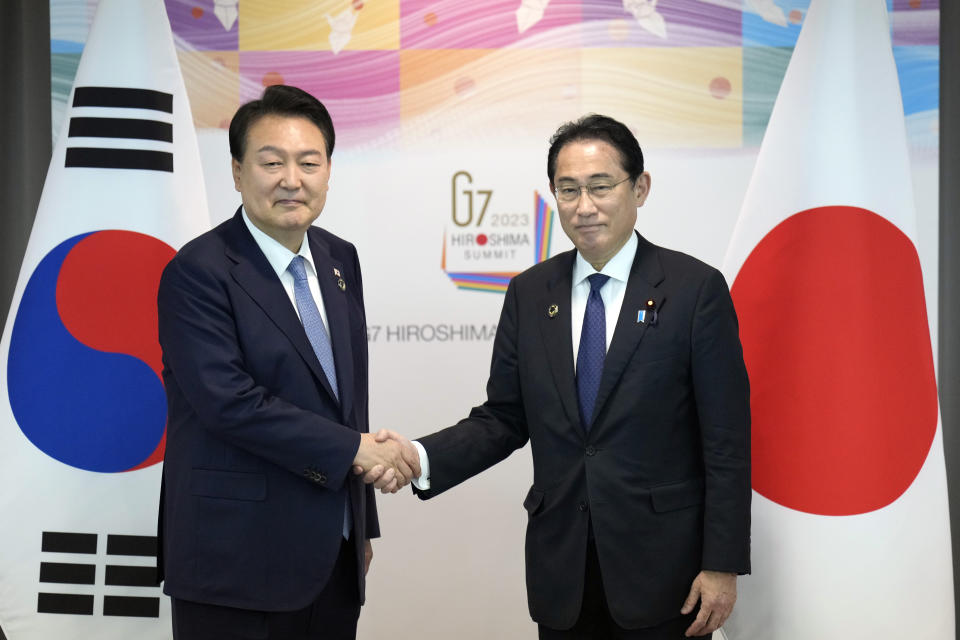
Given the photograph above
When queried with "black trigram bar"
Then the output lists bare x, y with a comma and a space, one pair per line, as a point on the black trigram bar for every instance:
61, 542
96, 158
124, 576
123, 97
131, 606
118, 545
67, 573
76, 604
121, 128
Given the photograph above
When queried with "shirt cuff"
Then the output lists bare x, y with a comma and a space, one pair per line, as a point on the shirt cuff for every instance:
423, 482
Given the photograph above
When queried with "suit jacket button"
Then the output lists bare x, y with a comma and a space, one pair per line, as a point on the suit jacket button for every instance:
591, 451
582, 506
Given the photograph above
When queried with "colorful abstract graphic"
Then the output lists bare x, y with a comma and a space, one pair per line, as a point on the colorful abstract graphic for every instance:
683, 73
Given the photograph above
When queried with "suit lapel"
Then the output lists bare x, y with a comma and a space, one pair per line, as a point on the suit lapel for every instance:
555, 330
253, 273
645, 274
338, 318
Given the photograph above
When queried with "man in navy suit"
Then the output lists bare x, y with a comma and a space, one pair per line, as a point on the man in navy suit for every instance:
264, 531
621, 363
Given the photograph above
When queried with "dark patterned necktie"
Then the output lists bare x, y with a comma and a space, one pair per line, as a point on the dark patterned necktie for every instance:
592, 350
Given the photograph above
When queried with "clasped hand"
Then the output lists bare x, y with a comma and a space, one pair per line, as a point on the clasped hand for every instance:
387, 460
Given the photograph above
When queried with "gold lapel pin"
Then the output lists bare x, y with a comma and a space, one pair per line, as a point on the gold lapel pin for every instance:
341, 284
336, 272
651, 303
553, 310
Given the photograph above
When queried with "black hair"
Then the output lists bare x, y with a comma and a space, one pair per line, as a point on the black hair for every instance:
280, 100
598, 127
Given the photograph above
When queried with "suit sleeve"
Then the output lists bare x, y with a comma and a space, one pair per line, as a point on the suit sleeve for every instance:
493, 430
722, 394
202, 354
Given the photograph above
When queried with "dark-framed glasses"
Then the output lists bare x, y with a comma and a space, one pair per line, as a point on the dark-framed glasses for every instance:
597, 190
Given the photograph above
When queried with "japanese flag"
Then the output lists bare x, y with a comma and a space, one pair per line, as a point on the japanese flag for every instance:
851, 535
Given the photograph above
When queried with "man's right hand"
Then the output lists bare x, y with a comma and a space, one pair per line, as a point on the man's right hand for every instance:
390, 478
388, 460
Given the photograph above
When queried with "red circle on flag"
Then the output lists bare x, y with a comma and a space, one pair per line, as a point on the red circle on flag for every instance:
835, 336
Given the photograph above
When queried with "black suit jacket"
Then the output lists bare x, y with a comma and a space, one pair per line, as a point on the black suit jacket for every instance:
259, 451
663, 476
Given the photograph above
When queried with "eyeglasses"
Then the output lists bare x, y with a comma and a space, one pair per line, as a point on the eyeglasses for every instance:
596, 190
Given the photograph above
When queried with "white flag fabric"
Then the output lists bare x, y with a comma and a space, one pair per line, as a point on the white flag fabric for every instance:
83, 410
850, 523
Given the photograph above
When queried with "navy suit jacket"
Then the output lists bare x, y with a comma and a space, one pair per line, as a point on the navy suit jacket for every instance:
662, 477
258, 451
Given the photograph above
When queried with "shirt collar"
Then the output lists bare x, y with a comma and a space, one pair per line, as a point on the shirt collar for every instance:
278, 255
617, 268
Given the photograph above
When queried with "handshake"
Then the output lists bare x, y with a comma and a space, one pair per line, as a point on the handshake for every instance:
387, 460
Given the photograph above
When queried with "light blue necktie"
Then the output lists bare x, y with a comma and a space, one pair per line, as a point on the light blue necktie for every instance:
313, 322
592, 350
320, 341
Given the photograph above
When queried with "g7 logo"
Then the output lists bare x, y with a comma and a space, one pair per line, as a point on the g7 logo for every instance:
470, 195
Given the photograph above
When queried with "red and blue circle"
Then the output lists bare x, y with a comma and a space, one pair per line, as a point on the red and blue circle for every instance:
84, 366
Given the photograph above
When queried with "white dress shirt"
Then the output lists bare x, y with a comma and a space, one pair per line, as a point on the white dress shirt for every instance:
279, 258
618, 268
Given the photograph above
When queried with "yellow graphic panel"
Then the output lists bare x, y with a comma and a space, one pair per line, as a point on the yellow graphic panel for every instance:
670, 97
319, 25
514, 93
213, 85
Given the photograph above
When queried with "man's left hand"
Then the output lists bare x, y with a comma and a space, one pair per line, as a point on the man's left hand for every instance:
717, 592
367, 556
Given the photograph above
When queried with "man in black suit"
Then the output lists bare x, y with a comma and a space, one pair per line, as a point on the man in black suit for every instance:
621, 363
264, 531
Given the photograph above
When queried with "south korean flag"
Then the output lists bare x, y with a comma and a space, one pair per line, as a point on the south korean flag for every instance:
82, 404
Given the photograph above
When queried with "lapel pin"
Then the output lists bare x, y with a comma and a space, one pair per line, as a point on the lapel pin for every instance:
648, 315
645, 316
341, 284
553, 310
336, 272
